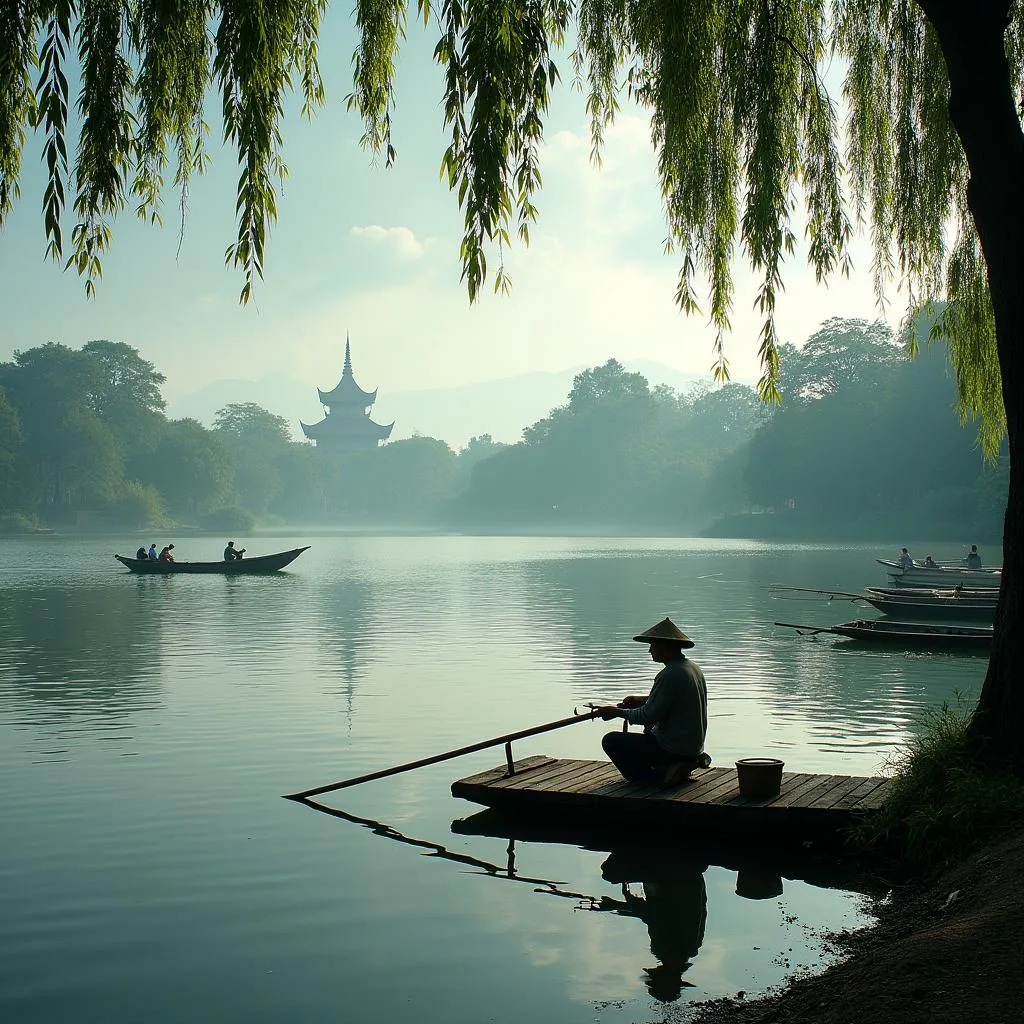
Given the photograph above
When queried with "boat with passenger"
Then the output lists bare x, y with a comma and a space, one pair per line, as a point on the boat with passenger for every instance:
940, 574
233, 567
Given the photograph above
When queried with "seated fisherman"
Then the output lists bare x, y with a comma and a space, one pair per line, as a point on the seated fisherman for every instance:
973, 558
231, 553
674, 715
906, 562
140, 555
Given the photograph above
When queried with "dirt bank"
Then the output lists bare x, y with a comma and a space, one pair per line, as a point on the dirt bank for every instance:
947, 948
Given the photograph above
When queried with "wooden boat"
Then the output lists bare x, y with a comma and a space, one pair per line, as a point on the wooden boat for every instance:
238, 567
939, 575
918, 603
906, 634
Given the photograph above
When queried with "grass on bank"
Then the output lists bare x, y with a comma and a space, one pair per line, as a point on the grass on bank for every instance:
942, 803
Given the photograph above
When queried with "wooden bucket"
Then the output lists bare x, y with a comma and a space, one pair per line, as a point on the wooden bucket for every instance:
759, 777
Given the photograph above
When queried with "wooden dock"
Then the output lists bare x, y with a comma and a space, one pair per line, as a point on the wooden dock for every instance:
806, 804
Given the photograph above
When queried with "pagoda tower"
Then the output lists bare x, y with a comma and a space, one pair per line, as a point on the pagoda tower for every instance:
346, 427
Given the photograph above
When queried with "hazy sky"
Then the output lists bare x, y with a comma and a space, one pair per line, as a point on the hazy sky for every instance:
375, 252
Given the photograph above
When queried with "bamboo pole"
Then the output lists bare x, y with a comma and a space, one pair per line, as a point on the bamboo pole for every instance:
446, 756
827, 593
806, 630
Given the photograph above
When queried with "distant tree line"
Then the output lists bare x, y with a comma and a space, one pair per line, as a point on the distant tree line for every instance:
865, 443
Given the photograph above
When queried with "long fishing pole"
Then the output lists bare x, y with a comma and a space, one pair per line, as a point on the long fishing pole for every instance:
827, 593
805, 630
447, 755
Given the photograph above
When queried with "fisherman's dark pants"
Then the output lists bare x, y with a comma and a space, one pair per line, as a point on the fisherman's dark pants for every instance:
638, 755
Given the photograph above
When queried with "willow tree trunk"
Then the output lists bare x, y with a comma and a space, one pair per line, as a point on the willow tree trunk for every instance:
983, 110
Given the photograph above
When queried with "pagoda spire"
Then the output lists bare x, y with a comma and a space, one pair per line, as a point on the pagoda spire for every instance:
346, 426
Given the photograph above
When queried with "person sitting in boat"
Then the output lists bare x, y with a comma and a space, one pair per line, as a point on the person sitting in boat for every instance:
231, 553
906, 562
141, 555
165, 554
929, 562
674, 715
973, 558
152, 552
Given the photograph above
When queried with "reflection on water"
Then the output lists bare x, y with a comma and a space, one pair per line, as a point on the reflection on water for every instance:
149, 725
674, 908
659, 884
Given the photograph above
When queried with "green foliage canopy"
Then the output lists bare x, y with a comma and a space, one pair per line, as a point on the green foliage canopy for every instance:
839, 353
250, 423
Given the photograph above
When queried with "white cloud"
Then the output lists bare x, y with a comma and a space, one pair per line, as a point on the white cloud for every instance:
400, 240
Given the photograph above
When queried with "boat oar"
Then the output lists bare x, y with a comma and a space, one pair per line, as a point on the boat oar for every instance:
805, 630
448, 755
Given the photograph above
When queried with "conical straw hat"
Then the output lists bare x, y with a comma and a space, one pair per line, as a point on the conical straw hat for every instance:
664, 630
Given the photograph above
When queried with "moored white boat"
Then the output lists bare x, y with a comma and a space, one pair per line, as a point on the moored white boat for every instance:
918, 575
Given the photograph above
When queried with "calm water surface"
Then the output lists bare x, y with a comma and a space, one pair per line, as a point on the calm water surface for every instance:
150, 871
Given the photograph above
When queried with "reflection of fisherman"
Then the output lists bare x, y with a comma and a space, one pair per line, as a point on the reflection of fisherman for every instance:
675, 910
674, 715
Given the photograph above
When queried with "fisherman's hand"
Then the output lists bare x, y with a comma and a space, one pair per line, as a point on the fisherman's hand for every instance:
608, 711
631, 702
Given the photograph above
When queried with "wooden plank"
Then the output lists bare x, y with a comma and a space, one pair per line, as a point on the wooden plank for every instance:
554, 768
554, 780
864, 789
832, 799
808, 798
493, 774
583, 777
875, 799
563, 774
797, 794
619, 782
567, 779
709, 780
600, 775
615, 787
621, 789
726, 785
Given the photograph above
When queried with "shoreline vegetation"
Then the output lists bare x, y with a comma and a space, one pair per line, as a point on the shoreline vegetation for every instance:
86, 447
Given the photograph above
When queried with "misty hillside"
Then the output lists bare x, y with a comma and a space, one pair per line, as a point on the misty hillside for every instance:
500, 407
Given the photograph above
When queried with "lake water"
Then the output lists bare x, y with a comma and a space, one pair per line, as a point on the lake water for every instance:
150, 871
